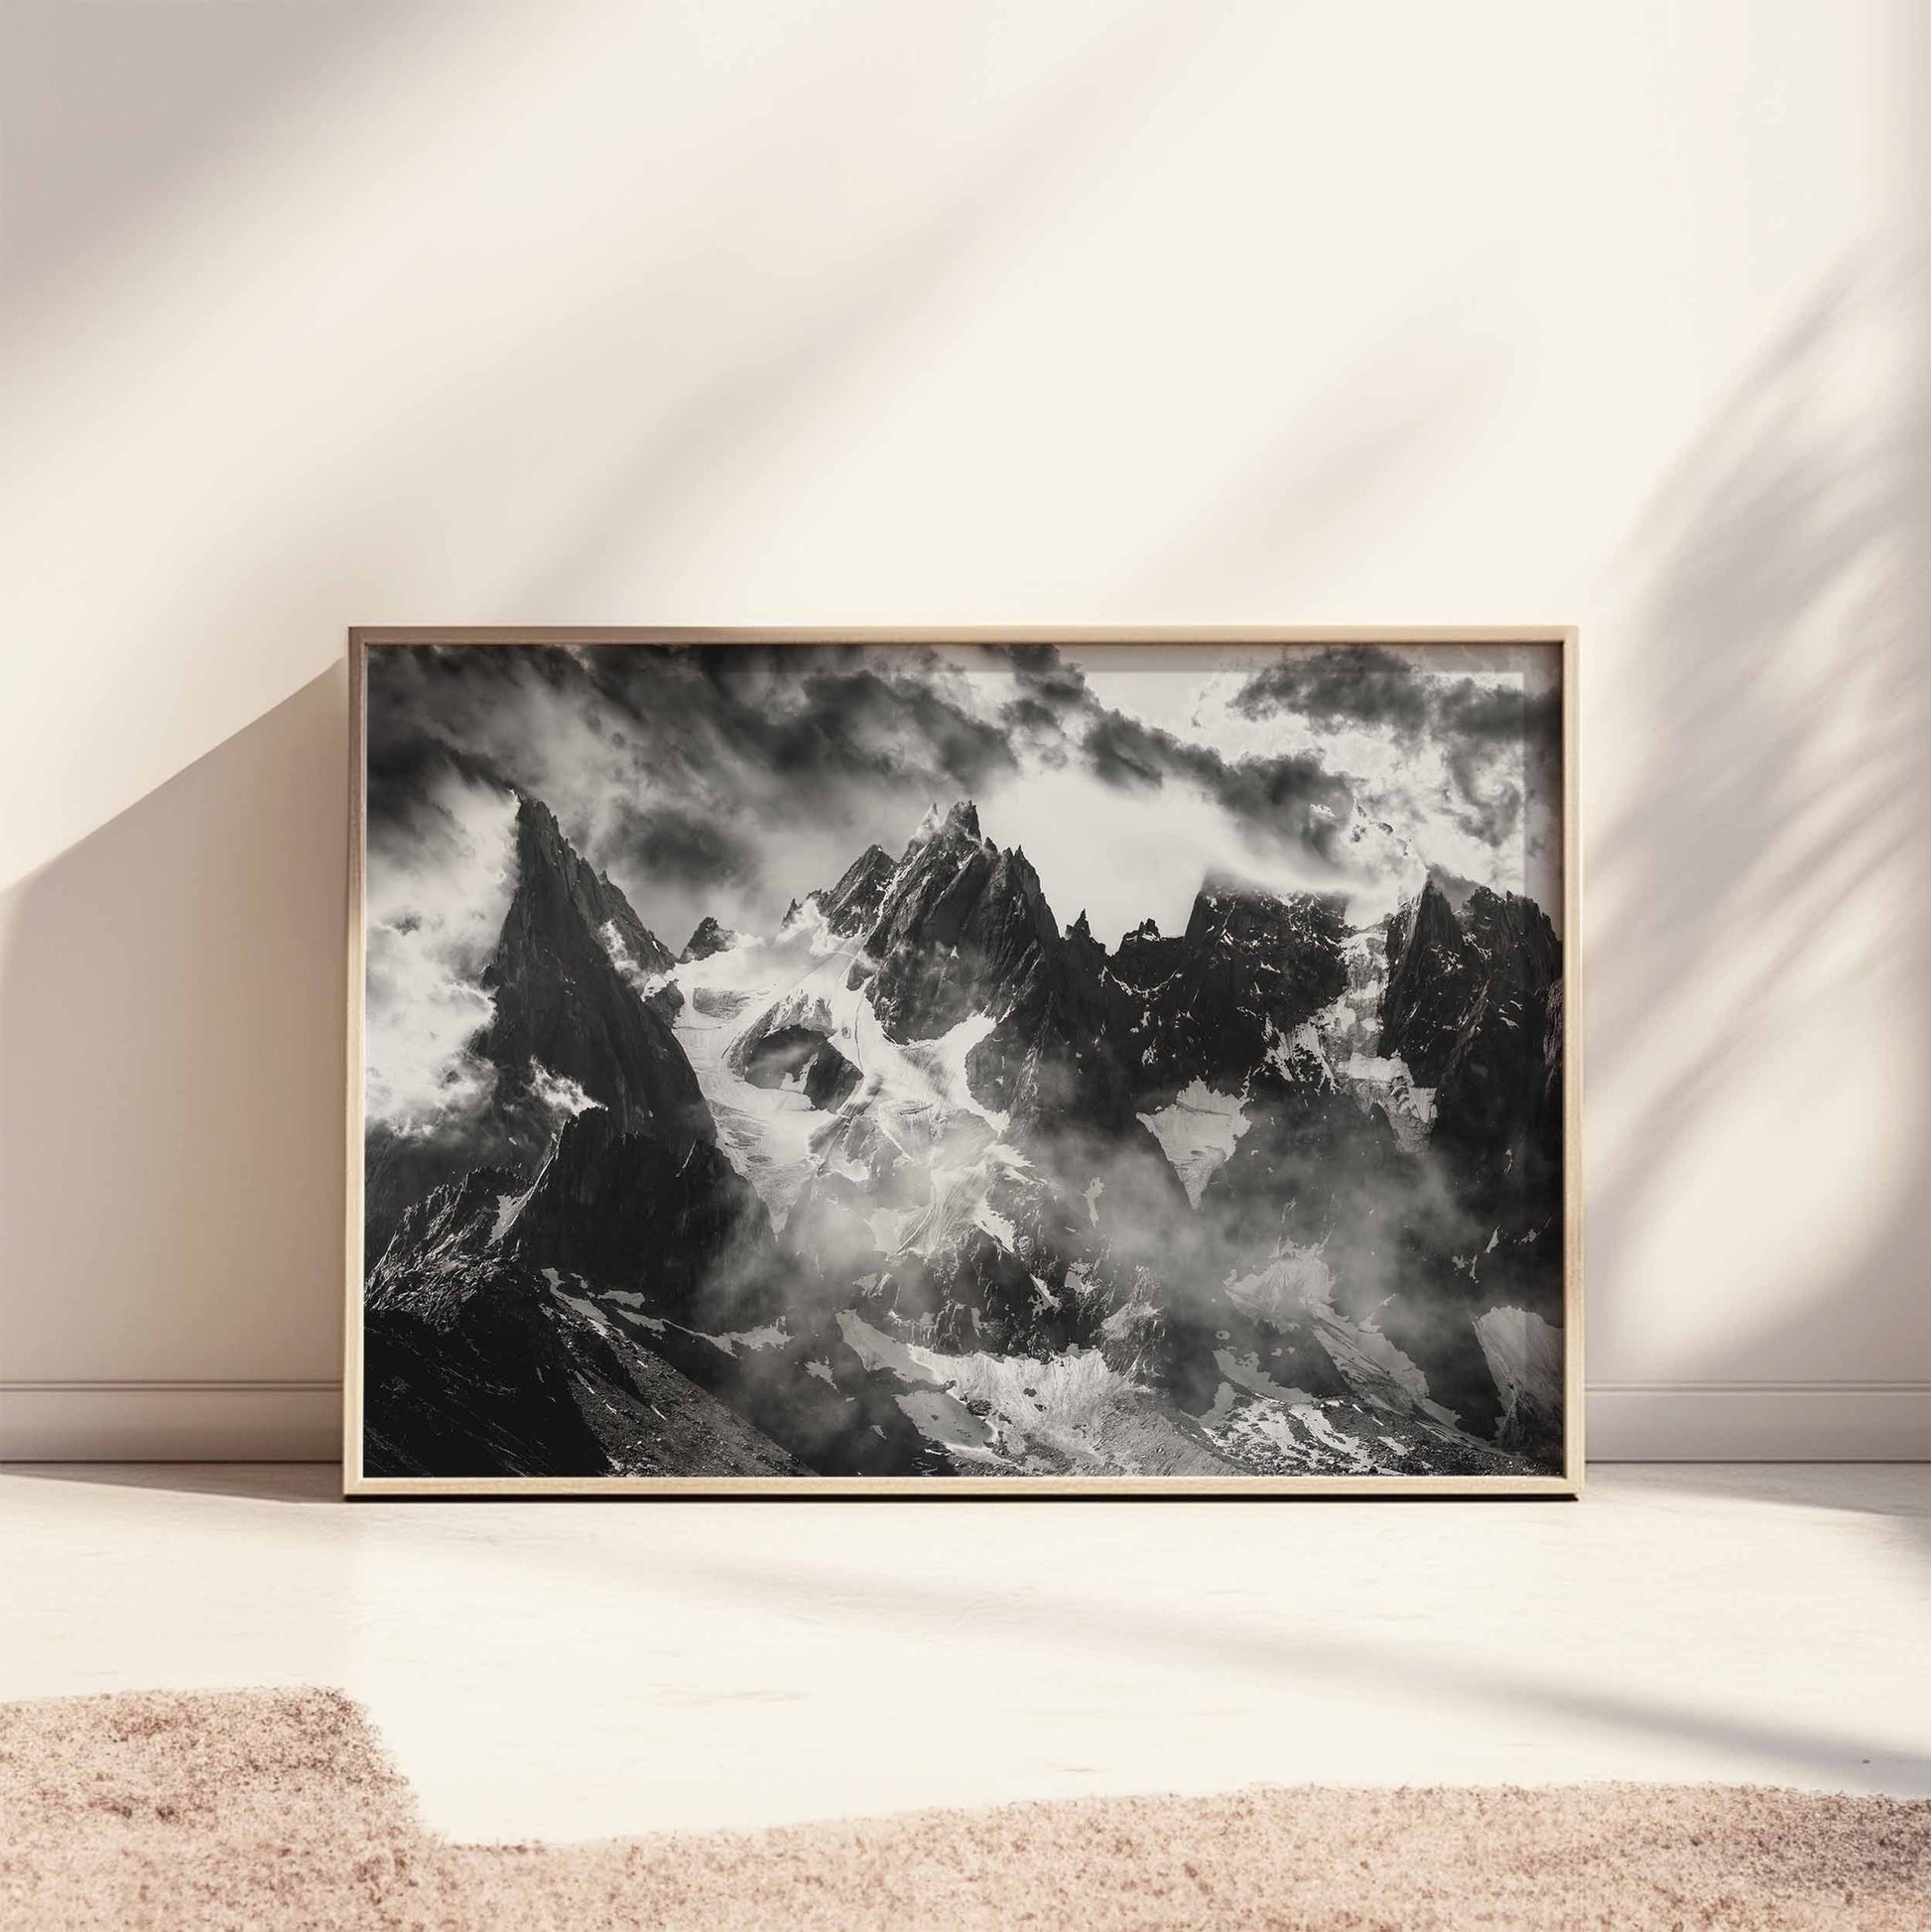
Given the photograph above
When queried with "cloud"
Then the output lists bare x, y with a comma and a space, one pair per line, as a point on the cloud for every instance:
1284, 802
440, 875
1125, 857
724, 780
1499, 741
558, 1095
730, 780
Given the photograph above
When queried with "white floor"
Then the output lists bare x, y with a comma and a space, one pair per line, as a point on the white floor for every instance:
568, 1670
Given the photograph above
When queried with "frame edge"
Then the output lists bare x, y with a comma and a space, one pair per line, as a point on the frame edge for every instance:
1567, 1485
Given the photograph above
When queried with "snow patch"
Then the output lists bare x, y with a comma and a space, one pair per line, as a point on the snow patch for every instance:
769, 1337
1197, 1134
508, 1206
632, 1306
995, 1225
1004, 1411
940, 1419
1524, 1355
1299, 1279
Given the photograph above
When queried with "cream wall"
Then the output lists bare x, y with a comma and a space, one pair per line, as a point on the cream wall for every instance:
383, 312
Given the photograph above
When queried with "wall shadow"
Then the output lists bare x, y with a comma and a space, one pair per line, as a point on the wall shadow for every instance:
1759, 902
172, 1072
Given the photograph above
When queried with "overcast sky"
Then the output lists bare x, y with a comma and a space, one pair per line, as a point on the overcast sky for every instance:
731, 780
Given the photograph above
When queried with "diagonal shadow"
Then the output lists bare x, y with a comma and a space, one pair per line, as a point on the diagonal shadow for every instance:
171, 1072
114, 110
1150, 1636
1768, 873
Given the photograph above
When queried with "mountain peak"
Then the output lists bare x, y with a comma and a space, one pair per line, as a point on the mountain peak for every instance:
1452, 887
961, 820
960, 925
1219, 888
709, 938
852, 903
537, 828
563, 980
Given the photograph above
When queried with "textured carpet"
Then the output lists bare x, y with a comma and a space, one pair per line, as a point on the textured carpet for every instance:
272, 1809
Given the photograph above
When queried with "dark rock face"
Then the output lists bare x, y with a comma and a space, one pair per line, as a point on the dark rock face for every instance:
398, 1171
804, 1056
672, 1222
1432, 977
851, 906
1060, 1056
599, 1331
1212, 1003
1097, 1039
562, 1003
499, 1375
439, 1239
1473, 1005
962, 928
709, 938
474, 1383
563, 1007
1310, 1167
474, 1363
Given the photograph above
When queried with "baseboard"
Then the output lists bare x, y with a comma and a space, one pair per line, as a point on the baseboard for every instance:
1629, 1422
1760, 1422
171, 1422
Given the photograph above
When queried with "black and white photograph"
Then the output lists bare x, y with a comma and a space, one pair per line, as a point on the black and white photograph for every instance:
899, 1060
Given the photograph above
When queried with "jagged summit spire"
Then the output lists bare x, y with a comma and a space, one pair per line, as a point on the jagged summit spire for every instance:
850, 905
961, 819
535, 819
563, 981
709, 938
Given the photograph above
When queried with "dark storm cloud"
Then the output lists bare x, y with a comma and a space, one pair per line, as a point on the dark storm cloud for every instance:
728, 780
403, 765
1289, 801
677, 844
1476, 726
843, 719
1292, 801
713, 779
701, 734
687, 763
1355, 685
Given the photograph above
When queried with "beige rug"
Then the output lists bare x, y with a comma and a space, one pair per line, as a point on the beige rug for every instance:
272, 1809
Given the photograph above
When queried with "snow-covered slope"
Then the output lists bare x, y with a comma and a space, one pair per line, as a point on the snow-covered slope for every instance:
911, 1131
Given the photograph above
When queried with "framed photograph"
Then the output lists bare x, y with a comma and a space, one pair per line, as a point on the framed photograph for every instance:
944, 1063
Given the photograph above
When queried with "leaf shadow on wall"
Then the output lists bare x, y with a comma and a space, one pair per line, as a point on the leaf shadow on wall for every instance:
172, 1072
1758, 907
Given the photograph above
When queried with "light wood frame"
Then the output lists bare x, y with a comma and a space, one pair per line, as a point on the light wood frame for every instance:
1567, 1484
